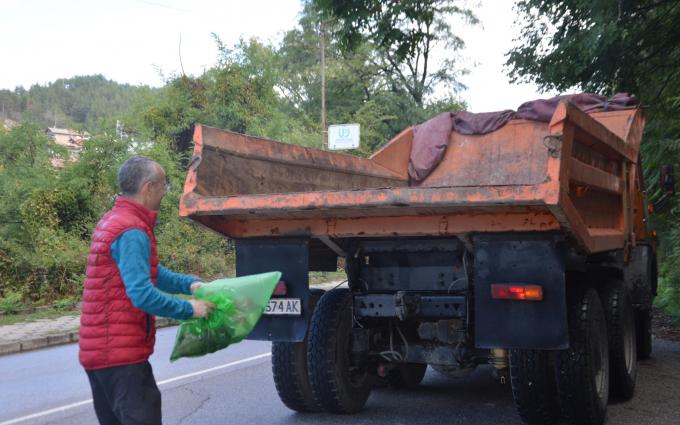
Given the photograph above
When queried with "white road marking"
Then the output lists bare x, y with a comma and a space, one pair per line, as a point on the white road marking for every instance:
46, 412
212, 369
166, 381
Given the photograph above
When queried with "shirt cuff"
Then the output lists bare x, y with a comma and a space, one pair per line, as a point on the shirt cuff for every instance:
188, 311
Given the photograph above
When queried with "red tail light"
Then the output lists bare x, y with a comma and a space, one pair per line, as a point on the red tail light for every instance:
281, 289
501, 291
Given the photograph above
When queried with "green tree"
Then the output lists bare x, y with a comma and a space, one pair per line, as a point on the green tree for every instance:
405, 34
81, 101
47, 214
608, 46
601, 46
28, 215
358, 88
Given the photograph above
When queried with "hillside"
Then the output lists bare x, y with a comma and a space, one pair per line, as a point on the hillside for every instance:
80, 102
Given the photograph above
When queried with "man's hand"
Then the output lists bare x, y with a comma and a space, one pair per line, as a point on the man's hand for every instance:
195, 286
201, 308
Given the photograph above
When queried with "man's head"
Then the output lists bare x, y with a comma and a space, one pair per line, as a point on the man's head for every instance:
142, 180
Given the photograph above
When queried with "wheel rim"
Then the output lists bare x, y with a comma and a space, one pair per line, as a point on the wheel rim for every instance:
629, 343
601, 361
356, 374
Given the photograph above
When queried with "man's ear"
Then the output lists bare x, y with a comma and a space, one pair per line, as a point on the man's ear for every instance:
145, 188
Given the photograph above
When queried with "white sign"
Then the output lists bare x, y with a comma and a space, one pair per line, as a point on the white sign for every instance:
343, 136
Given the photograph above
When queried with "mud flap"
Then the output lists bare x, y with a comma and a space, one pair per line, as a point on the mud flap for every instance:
291, 258
520, 259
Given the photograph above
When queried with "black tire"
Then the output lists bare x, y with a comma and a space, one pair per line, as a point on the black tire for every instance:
643, 329
620, 315
407, 375
534, 388
338, 385
583, 368
289, 367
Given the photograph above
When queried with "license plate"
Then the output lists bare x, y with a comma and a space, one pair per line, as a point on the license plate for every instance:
283, 306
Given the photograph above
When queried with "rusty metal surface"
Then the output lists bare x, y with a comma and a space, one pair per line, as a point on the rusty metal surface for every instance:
627, 124
595, 178
513, 155
429, 225
641, 225
367, 202
595, 218
236, 164
395, 155
594, 133
252, 175
528, 176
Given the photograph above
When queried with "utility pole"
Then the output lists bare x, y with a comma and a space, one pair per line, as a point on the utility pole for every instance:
324, 131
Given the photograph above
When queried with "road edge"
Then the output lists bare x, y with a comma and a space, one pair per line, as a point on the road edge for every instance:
71, 336
67, 337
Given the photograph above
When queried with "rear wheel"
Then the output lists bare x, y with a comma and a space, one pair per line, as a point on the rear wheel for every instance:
534, 388
622, 340
339, 385
643, 328
583, 368
407, 375
289, 368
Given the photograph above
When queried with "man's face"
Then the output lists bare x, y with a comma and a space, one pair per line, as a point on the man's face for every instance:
154, 191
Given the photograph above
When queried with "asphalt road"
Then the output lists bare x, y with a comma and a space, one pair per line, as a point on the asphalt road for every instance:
235, 386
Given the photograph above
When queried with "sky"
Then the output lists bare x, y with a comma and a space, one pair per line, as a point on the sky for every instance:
486, 44
138, 41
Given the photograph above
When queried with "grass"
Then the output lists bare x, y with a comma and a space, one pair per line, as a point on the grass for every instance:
668, 299
11, 303
11, 319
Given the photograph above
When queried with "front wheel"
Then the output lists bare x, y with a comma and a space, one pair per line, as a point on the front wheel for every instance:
339, 384
289, 368
583, 368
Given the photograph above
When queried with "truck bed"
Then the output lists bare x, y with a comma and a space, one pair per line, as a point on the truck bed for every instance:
578, 174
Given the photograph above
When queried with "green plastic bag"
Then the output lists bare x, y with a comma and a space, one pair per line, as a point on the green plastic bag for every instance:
239, 303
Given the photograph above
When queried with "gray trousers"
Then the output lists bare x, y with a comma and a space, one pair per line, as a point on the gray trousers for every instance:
126, 395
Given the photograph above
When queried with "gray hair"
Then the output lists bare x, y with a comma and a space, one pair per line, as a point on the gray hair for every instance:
134, 172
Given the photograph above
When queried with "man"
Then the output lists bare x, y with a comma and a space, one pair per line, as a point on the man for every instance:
122, 295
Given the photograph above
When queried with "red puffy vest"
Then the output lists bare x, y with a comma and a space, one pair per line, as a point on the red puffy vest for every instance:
113, 332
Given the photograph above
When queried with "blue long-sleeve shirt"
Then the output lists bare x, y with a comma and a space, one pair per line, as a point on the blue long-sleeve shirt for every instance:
132, 252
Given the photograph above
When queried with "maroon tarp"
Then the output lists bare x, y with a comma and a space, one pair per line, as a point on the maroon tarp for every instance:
431, 138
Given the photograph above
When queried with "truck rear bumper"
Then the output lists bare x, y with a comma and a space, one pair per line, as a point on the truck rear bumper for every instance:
403, 305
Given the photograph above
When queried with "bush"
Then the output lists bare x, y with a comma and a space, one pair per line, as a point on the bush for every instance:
47, 216
668, 298
185, 247
11, 302
64, 304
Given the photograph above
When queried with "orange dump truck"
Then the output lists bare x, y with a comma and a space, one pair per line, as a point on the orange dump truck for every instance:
525, 247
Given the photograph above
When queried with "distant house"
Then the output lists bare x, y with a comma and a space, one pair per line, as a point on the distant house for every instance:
71, 139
